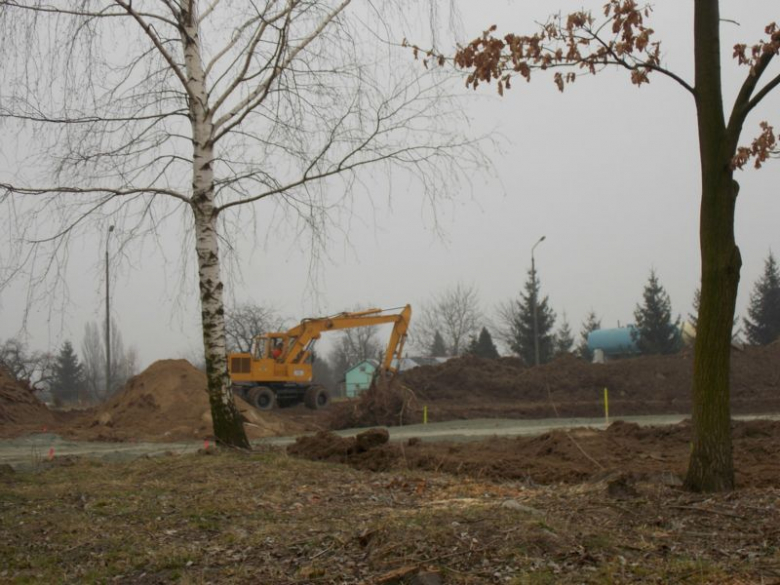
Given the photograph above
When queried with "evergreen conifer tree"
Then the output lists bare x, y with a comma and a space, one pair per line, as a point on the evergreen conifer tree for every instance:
564, 339
694, 317
438, 347
483, 345
521, 327
591, 323
655, 332
68, 382
762, 326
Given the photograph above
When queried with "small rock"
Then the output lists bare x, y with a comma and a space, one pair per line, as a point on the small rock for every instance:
105, 419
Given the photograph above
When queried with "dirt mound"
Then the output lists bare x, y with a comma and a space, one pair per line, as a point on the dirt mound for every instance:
19, 405
655, 454
169, 402
367, 450
466, 377
472, 387
385, 403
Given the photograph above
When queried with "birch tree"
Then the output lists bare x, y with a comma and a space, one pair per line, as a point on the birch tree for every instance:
139, 111
620, 37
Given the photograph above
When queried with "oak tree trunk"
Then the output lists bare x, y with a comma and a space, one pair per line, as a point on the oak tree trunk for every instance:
711, 466
228, 426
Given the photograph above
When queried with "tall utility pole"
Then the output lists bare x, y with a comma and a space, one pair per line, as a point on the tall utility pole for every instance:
533, 301
108, 321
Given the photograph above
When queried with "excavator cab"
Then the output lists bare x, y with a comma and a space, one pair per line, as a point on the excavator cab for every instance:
276, 346
267, 347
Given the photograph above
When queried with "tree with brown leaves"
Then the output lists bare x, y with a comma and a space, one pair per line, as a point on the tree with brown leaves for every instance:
584, 43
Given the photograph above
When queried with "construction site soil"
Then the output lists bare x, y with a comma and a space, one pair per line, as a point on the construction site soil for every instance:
166, 402
18, 404
169, 402
623, 450
471, 387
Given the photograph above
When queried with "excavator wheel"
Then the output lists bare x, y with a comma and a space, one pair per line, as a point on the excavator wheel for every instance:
261, 397
316, 397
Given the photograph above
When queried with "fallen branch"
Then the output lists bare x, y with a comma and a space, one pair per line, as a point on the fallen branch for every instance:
576, 444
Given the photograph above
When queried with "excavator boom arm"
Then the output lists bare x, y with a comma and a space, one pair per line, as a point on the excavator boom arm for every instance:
395, 345
310, 329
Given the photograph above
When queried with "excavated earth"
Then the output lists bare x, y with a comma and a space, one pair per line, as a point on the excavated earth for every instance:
471, 387
166, 402
19, 405
650, 454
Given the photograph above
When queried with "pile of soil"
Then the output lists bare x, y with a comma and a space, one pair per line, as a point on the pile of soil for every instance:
19, 405
471, 387
364, 450
169, 402
386, 403
649, 453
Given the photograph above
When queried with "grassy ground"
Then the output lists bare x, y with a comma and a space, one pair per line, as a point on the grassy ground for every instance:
268, 518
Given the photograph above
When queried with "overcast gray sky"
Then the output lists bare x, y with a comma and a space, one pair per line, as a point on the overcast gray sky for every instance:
608, 172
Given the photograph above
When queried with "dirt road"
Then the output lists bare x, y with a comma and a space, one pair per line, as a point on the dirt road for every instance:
31, 451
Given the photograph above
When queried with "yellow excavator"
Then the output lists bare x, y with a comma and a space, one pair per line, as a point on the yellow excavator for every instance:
278, 369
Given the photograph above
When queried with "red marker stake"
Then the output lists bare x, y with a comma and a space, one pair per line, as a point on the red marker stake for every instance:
51, 453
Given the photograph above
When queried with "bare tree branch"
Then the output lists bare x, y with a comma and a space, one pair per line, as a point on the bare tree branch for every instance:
204, 110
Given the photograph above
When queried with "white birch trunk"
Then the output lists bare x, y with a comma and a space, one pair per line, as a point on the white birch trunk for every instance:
228, 426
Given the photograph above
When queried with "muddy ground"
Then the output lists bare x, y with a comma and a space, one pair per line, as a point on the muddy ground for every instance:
655, 454
267, 517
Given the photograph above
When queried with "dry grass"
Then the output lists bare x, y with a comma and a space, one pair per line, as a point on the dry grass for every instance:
266, 518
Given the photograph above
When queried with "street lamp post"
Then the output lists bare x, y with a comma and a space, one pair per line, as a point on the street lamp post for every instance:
533, 300
108, 321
